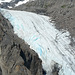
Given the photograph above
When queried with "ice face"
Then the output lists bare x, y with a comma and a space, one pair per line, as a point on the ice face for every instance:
50, 44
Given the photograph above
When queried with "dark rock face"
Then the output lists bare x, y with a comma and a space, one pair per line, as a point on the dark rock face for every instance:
0, 71
16, 57
55, 69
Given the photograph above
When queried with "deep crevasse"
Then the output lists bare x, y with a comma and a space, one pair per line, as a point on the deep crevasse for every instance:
50, 43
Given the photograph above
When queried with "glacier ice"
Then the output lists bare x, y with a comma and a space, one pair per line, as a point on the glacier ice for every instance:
50, 43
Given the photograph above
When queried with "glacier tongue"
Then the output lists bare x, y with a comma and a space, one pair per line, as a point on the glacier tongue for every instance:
51, 44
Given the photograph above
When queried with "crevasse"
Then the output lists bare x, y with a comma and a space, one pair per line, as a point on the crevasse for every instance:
50, 44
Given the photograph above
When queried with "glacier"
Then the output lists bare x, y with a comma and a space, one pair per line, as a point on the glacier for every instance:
49, 43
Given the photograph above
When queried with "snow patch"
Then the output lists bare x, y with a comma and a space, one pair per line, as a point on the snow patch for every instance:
9, 6
22, 2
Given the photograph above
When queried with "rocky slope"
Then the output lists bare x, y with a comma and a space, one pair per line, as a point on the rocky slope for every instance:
16, 57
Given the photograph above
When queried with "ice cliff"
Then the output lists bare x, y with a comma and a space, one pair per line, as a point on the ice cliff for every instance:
52, 46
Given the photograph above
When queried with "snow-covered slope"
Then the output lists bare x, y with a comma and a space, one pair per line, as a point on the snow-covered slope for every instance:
4, 1
51, 44
12, 3
22, 2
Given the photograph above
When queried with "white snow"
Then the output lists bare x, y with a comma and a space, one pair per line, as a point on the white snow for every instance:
50, 43
9, 6
19, 3
22, 2
4, 1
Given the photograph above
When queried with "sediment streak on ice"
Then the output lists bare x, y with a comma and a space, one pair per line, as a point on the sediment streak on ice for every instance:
50, 43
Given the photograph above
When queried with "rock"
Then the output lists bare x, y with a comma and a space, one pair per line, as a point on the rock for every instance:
16, 57
0, 71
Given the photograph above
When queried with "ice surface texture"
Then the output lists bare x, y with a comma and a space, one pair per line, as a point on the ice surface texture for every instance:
50, 43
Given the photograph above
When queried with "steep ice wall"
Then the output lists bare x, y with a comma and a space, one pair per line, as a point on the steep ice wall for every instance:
51, 44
